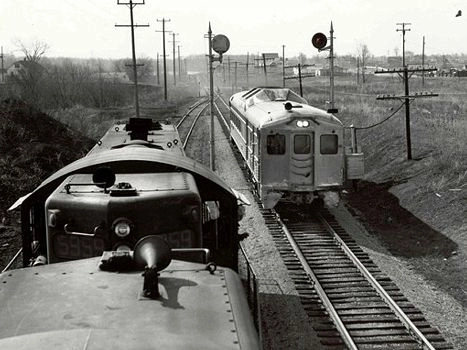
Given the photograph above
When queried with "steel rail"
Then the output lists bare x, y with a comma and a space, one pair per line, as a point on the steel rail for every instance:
222, 116
190, 109
405, 320
185, 142
319, 289
222, 100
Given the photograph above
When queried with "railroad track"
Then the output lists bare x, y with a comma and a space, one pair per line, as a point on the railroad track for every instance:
188, 121
349, 301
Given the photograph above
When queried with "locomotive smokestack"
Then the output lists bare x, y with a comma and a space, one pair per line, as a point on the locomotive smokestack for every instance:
154, 254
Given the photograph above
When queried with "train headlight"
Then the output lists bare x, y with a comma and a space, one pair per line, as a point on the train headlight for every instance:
303, 123
122, 227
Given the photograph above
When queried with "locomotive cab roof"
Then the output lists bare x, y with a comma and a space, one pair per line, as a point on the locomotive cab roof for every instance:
135, 160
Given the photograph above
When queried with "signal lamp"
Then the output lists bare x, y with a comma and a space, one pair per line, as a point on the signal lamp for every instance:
319, 40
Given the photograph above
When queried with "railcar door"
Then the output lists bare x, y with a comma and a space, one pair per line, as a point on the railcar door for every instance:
302, 159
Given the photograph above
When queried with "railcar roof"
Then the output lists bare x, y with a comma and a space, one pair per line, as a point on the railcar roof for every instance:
261, 106
76, 305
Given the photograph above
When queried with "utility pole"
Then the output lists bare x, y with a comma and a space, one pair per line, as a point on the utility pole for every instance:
223, 72
407, 97
173, 56
3, 74
157, 69
247, 71
131, 5
283, 65
358, 70
235, 80
423, 61
179, 65
163, 54
403, 30
228, 64
265, 71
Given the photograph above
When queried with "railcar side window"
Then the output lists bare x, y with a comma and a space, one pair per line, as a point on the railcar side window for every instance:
302, 144
328, 144
276, 144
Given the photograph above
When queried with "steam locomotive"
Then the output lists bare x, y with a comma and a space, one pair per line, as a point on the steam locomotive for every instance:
295, 152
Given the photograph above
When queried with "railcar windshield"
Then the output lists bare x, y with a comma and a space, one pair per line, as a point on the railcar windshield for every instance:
302, 144
276, 144
328, 144
267, 94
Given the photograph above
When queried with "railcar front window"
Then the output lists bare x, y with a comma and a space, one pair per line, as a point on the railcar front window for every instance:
328, 144
302, 144
276, 144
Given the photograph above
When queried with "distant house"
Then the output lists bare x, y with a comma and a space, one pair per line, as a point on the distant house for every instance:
24, 68
325, 72
270, 59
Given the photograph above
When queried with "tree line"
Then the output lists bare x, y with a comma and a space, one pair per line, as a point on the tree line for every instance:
64, 82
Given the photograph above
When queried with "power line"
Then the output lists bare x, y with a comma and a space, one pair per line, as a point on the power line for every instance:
131, 4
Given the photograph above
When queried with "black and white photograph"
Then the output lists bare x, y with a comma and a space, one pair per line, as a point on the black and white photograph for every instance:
233, 175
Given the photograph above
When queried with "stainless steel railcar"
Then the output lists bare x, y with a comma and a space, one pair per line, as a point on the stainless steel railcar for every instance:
294, 151
135, 182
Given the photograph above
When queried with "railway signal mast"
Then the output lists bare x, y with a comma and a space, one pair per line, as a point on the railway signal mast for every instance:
406, 97
319, 41
220, 44
131, 4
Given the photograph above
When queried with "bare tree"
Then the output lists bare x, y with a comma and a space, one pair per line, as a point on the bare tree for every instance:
33, 53
302, 58
363, 54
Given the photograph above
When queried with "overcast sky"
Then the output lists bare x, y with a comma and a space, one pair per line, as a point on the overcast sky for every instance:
86, 28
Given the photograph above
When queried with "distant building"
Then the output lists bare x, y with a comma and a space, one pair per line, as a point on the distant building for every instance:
271, 59
325, 72
24, 68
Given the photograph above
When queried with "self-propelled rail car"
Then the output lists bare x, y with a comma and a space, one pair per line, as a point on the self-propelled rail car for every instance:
294, 151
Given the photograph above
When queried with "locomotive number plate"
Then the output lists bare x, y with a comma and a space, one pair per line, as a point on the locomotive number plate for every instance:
180, 239
68, 246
